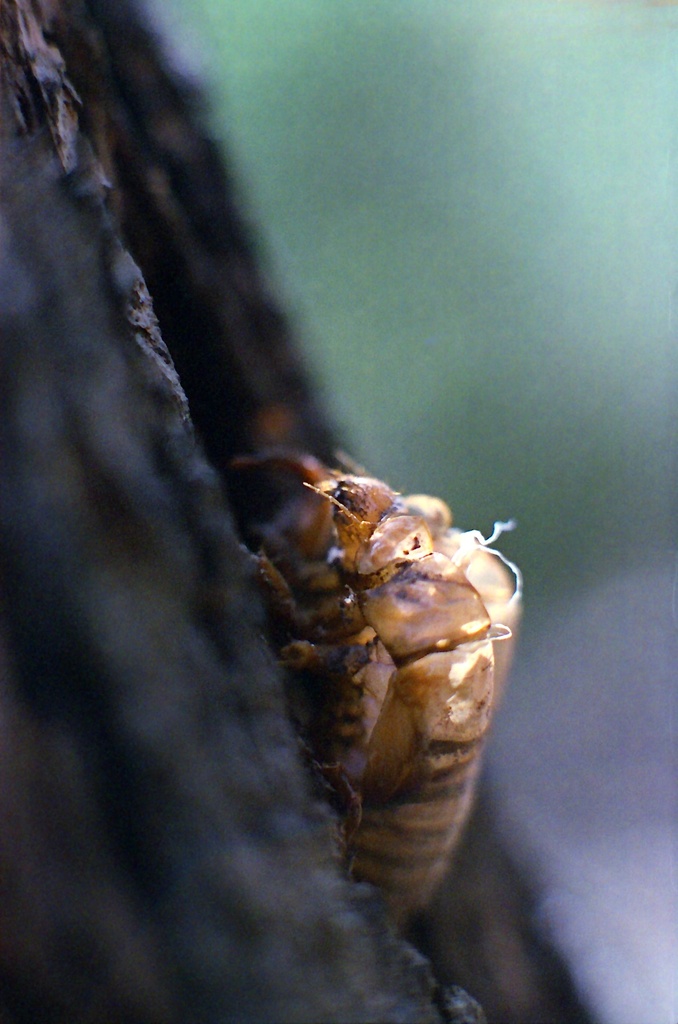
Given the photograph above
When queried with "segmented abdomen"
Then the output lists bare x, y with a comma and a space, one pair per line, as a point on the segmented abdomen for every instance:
422, 763
404, 846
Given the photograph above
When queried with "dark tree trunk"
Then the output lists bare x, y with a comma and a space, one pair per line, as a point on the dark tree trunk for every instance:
162, 857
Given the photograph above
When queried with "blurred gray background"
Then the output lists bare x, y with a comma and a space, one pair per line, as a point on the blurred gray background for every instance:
471, 210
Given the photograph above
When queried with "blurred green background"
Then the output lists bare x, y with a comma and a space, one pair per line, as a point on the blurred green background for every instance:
470, 210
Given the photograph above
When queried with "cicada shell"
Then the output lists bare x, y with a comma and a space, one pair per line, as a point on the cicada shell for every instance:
403, 625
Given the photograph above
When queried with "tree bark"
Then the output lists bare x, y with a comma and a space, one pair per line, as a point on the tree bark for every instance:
162, 855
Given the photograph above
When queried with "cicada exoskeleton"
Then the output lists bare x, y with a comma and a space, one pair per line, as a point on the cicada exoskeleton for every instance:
397, 619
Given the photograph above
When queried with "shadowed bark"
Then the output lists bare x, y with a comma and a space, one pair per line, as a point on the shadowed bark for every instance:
162, 856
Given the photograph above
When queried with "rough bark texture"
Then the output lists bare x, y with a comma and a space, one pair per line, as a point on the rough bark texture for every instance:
162, 857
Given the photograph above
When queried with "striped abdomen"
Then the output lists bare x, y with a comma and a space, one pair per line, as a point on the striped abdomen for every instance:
405, 846
422, 763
